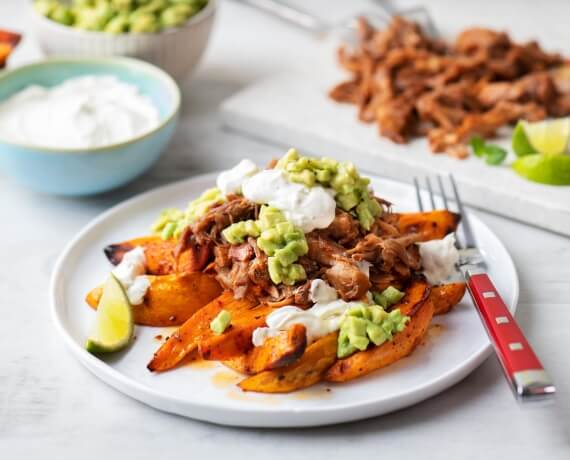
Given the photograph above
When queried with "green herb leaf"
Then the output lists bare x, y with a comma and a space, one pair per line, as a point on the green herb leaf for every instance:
478, 145
494, 155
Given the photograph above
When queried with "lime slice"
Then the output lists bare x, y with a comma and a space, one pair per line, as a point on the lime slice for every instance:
551, 170
114, 323
520, 142
549, 137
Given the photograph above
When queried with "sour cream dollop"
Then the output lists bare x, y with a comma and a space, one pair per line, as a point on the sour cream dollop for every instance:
439, 259
321, 319
130, 273
307, 208
83, 112
230, 181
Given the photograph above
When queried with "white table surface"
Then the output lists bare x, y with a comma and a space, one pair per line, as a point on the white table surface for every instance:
51, 407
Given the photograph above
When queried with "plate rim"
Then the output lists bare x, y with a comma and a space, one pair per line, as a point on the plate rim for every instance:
147, 395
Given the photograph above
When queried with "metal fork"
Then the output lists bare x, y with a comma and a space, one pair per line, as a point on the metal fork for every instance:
383, 13
520, 364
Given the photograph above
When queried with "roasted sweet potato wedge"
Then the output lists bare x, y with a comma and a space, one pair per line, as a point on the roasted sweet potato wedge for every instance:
159, 255
446, 296
432, 225
280, 351
403, 343
236, 340
170, 299
197, 328
416, 294
306, 371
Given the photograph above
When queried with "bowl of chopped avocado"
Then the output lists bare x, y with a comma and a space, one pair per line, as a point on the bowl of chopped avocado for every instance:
171, 34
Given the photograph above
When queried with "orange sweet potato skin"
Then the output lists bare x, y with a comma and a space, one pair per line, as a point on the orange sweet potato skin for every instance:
446, 296
236, 340
159, 255
276, 352
170, 299
432, 225
306, 371
403, 343
196, 329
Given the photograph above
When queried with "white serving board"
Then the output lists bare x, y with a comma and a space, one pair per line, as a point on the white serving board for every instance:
293, 110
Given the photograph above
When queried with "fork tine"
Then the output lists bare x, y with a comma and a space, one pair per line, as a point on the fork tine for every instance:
431, 197
418, 194
467, 232
442, 192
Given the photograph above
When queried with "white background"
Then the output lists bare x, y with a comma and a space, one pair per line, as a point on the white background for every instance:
51, 407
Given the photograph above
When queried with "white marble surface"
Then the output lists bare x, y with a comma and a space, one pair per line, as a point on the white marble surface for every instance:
50, 407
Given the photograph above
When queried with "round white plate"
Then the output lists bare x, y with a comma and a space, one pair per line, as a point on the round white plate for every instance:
455, 346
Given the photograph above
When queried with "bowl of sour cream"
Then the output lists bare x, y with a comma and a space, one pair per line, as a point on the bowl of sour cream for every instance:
84, 126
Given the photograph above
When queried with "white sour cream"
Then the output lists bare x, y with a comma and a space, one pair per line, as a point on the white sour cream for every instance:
439, 258
83, 112
130, 273
230, 181
321, 319
307, 208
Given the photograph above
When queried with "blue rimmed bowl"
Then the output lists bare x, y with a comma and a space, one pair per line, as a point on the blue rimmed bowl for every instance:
78, 172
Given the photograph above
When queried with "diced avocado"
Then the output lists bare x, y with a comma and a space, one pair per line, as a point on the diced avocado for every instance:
360, 342
238, 232
354, 325
62, 14
119, 24
387, 297
168, 231
286, 274
175, 15
221, 322
305, 177
368, 323
196, 209
392, 294
365, 217
344, 347
360, 311
347, 201
377, 314
376, 334
269, 217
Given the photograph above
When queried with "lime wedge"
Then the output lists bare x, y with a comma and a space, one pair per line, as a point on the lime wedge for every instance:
546, 169
549, 137
520, 142
114, 323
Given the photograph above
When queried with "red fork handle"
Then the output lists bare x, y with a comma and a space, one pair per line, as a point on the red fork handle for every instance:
520, 364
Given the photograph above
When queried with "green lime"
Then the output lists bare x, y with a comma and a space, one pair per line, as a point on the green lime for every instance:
114, 323
552, 170
520, 142
549, 137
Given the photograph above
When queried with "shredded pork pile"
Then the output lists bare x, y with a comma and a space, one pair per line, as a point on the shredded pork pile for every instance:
341, 254
413, 85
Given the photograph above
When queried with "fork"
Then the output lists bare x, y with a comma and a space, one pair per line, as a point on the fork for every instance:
520, 364
383, 13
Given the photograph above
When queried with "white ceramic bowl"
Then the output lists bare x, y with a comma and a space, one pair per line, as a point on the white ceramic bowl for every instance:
176, 50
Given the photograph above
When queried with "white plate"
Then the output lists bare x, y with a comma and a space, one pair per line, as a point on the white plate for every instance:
450, 353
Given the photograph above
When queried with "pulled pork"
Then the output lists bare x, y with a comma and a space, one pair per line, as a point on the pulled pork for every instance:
336, 254
413, 85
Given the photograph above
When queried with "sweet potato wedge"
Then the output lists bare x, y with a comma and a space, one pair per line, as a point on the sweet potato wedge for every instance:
403, 343
446, 296
416, 294
236, 340
186, 339
432, 225
159, 255
280, 351
170, 299
306, 371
